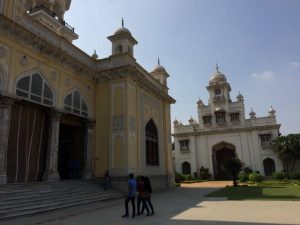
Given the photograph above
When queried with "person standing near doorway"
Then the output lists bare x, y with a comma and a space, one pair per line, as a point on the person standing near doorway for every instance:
130, 197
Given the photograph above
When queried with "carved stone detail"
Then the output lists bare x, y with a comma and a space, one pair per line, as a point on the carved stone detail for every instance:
3, 52
24, 61
118, 124
68, 82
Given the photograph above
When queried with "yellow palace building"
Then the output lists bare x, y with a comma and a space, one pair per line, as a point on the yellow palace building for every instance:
60, 107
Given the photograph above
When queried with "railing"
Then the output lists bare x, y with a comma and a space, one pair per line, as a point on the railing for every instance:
52, 14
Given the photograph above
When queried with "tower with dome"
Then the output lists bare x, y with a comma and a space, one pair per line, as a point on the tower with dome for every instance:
222, 132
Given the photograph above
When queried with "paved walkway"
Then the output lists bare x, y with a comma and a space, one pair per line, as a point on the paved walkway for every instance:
179, 206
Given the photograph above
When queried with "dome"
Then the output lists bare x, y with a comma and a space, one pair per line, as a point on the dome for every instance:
159, 68
271, 110
122, 30
217, 77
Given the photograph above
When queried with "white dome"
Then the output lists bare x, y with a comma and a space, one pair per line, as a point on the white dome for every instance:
159, 68
217, 77
122, 30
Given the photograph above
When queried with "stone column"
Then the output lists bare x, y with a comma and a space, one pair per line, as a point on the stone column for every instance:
5, 109
88, 150
51, 173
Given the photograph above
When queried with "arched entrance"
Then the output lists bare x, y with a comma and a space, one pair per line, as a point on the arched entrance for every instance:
269, 167
222, 153
186, 168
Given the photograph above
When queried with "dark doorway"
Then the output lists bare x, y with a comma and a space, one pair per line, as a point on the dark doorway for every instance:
269, 167
71, 151
222, 153
186, 168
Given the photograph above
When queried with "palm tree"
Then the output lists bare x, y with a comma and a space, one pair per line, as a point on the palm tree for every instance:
234, 166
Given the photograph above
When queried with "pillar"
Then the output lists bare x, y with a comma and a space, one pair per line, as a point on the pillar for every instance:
51, 173
88, 150
5, 110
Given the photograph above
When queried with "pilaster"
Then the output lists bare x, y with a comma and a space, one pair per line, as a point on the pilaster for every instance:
51, 173
88, 149
5, 112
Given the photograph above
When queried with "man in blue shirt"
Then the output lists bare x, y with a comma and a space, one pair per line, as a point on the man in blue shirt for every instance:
130, 195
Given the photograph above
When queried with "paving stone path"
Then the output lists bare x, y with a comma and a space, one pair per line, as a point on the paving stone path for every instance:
180, 206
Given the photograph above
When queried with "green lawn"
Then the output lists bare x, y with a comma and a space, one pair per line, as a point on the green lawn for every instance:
267, 190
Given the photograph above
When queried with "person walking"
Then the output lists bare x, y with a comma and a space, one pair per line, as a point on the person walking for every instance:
130, 197
148, 191
106, 180
141, 196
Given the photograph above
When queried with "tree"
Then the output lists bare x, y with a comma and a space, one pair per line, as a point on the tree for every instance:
234, 166
287, 149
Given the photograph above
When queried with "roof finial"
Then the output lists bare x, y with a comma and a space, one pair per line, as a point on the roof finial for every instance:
158, 61
122, 22
217, 67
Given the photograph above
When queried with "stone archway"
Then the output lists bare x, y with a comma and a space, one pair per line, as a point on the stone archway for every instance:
222, 152
269, 167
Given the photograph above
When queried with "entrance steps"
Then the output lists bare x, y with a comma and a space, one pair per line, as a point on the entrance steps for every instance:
32, 198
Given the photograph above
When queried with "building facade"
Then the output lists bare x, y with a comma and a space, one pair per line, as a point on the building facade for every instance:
60, 107
223, 132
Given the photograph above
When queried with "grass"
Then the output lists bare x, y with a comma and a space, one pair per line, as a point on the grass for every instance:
267, 190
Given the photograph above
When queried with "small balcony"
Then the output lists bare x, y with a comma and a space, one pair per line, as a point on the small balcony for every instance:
52, 21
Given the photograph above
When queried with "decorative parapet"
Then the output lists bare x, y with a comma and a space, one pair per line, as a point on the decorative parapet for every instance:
261, 121
227, 130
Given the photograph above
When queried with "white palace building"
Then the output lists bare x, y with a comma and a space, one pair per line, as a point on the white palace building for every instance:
224, 132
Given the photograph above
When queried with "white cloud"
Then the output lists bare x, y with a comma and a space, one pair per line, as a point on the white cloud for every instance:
295, 64
266, 75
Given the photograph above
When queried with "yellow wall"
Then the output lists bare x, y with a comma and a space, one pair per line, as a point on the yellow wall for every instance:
102, 129
60, 79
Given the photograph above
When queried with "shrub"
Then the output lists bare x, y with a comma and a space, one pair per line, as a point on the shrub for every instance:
247, 170
204, 173
278, 175
195, 175
177, 178
295, 176
243, 177
188, 177
255, 177
182, 177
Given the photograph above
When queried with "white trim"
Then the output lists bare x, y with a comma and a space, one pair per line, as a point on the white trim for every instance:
29, 154
39, 155
45, 81
72, 107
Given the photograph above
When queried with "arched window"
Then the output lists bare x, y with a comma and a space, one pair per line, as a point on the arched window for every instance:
269, 167
186, 168
74, 103
152, 158
35, 88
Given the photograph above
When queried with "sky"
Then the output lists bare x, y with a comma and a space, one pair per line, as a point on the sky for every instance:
255, 43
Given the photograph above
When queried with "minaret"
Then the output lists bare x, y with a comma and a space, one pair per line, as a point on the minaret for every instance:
160, 73
122, 41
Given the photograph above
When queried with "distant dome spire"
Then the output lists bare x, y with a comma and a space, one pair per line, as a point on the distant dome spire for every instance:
217, 77
158, 61
122, 22
217, 67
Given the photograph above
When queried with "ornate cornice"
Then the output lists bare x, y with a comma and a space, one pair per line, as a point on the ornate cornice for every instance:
227, 130
43, 41
130, 71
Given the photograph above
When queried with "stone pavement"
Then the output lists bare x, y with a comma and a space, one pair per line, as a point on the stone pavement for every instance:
179, 206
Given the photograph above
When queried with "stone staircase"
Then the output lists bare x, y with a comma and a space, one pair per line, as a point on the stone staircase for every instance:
32, 198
